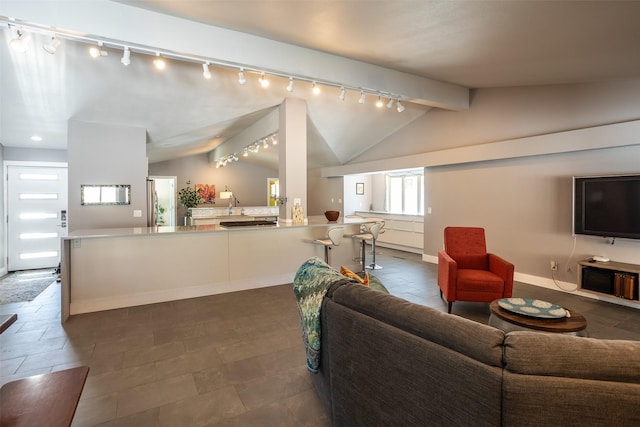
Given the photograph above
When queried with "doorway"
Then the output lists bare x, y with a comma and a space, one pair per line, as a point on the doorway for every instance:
36, 212
273, 191
165, 200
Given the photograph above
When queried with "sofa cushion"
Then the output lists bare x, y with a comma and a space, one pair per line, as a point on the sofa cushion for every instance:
473, 280
530, 353
556, 379
473, 339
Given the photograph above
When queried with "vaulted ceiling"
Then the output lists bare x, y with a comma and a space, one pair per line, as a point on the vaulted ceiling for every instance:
472, 44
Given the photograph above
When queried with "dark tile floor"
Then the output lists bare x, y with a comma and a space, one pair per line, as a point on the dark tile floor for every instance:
225, 360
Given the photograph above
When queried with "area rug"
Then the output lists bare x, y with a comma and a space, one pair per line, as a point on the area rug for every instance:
26, 285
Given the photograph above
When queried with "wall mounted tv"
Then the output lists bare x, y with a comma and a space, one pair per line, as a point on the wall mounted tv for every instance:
607, 206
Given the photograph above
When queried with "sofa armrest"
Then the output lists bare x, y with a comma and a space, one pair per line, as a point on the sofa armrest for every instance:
447, 275
504, 269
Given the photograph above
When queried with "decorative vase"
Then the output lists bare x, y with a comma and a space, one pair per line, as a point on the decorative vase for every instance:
188, 219
332, 216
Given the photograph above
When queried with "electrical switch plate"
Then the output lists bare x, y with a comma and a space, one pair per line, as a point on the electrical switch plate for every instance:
137, 213
76, 243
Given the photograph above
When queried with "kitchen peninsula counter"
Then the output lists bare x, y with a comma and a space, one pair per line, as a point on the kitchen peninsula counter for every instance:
105, 269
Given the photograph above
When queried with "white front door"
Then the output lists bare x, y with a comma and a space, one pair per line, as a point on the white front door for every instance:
36, 210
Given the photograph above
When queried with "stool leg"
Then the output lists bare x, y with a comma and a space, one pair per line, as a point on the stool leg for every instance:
364, 251
326, 254
373, 265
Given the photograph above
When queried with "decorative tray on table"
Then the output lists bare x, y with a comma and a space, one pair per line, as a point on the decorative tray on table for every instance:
533, 308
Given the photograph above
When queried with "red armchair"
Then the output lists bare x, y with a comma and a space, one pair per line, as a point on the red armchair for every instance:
466, 272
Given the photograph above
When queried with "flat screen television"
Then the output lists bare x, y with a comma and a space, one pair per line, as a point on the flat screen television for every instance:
607, 206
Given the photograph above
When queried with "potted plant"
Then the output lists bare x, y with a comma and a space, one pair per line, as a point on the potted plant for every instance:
189, 198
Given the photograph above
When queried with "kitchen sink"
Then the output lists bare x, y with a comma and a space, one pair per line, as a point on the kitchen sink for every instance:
252, 223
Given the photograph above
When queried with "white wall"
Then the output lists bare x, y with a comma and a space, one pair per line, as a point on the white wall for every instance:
3, 255
357, 202
525, 203
35, 155
323, 194
106, 154
248, 182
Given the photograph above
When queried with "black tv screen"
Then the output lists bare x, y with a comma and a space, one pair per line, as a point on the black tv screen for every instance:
607, 206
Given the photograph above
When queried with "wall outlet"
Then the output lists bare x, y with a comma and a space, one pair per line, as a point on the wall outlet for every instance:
554, 265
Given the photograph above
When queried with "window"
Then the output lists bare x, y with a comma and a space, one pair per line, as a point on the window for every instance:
404, 193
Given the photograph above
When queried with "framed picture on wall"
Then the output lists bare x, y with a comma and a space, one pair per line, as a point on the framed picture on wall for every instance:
359, 187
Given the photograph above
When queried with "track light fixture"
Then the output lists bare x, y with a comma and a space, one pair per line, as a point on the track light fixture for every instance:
263, 81
252, 148
52, 45
20, 41
98, 51
159, 62
205, 71
126, 56
343, 93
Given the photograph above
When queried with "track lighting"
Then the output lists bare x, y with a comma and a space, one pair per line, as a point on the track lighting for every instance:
205, 71
343, 94
126, 56
245, 152
20, 41
52, 45
159, 62
98, 51
263, 81
241, 78
265, 144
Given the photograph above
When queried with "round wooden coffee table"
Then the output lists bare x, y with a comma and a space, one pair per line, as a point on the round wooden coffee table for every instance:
508, 321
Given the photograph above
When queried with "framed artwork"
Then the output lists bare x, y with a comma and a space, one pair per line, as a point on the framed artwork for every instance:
359, 187
207, 192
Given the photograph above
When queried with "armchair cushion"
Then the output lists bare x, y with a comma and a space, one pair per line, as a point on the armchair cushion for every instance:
473, 280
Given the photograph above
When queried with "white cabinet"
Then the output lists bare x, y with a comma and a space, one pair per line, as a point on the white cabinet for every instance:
403, 232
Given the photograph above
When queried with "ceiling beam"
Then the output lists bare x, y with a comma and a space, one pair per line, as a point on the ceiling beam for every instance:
124, 23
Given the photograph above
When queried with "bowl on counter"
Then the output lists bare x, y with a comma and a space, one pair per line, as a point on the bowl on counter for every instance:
332, 215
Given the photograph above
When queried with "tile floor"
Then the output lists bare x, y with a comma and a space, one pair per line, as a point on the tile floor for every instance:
226, 360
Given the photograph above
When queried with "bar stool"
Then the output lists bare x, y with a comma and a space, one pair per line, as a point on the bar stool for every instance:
334, 238
372, 234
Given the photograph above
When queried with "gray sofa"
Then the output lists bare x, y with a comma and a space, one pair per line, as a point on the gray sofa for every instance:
387, 362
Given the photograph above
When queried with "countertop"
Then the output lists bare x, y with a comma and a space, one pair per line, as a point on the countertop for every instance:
313, 221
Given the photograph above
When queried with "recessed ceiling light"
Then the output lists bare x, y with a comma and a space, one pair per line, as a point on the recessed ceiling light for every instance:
36, 138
